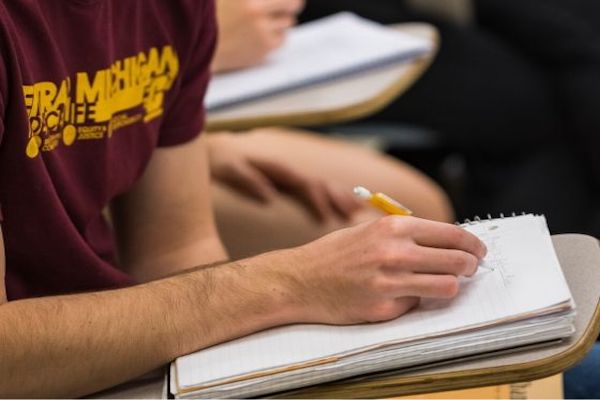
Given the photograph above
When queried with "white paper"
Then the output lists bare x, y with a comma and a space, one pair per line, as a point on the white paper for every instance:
526, 279
316, 52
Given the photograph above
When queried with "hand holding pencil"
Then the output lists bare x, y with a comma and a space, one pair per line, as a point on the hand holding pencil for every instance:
390, 206
382, 201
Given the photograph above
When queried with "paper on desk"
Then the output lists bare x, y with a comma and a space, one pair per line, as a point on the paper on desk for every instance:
316, 52
400, 356
526, 279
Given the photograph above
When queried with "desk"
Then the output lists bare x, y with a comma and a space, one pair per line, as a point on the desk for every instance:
579, 256
337, 101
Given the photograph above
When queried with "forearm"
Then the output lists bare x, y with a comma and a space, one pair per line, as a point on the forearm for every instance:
69, 346
73, 345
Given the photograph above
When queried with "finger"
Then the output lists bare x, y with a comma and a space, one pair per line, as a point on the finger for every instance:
277, 171
282, 24
430, 260
309, 192
247, 180
405, 304
314, 196
273, 33
428, 286
448, 236
276, 41
393, 308
343, 202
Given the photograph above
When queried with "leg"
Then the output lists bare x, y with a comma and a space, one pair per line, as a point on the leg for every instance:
581, 381
248, 227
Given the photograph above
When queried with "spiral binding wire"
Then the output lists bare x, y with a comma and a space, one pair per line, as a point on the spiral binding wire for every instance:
489, 217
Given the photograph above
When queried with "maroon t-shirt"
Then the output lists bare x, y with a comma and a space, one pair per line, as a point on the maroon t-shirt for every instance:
88, 89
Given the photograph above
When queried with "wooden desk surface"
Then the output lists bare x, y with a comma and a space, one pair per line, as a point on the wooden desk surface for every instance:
337, 101
579, 256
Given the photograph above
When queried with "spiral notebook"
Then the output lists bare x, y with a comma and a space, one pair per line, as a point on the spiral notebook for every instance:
521, 299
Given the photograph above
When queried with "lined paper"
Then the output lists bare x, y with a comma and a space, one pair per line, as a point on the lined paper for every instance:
526, 280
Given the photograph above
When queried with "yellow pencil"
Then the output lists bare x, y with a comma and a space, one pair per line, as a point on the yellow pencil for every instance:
384, 202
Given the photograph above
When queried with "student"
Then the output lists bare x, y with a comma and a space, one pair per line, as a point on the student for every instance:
312, 172
101, 105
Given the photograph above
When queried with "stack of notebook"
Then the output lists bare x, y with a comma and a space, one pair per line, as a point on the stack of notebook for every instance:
519, 298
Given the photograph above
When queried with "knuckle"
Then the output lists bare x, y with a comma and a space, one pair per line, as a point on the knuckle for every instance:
407, 303
456, 235
383, 311
459, 263
377, 285
386, 286
397, 255
411, 256
405, 256
372, 284
385, 254
392, 308
390, 225
448, 286
472, 263
381, 225
467, 241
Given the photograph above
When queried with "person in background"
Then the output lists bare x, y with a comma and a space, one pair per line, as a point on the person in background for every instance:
515, 93
279, 187
101, 111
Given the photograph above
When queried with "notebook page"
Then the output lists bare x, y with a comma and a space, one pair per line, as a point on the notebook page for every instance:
316, 52
528, 281
526, 278
426, 352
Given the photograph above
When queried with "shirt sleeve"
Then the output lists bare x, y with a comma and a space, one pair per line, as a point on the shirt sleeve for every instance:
2, 114
1, 119
185, 115
3, 85
3, 91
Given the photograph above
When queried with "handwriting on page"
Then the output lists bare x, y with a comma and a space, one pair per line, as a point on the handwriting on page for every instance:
526, 278
496, 258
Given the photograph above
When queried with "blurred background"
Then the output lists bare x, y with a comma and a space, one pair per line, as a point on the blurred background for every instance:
507, 119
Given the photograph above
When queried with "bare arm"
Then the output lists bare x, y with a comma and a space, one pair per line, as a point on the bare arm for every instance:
73, 345
165, 224
68, 346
